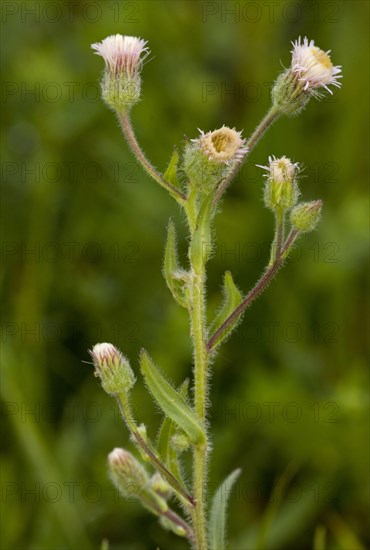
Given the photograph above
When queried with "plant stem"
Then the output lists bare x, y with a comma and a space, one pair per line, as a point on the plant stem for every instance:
259, 287
265, 123
197, 314
279, 236
128, 131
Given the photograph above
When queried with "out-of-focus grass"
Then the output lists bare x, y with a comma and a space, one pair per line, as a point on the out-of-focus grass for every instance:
293, 384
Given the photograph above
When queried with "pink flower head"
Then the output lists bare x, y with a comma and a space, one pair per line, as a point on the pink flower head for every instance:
122, 54
313, 67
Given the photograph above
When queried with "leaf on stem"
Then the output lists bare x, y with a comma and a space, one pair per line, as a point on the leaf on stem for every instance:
171, 172
171, 402
174, 275
232, 298
217, 522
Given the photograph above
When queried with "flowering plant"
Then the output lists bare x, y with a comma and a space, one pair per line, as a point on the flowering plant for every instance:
209, 163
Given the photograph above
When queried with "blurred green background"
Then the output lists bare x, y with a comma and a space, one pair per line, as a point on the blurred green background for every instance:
83, 231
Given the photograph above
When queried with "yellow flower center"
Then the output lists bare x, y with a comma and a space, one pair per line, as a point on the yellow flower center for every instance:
221, 142
322, 58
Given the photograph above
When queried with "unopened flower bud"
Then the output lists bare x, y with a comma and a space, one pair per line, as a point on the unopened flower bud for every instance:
113, 369
132, 480
306, 215
310, 73
281, 189
123, 56
125, 469
213, 156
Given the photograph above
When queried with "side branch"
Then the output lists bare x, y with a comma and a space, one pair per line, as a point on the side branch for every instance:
260, 286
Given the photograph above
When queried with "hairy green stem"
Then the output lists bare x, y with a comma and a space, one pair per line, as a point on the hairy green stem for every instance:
279, 236
256, 291
129, 134
197, 314
272, 115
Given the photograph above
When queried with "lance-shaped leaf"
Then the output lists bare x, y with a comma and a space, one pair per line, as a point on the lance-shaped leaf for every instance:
232, 298
165, 448
217, 522
171, 172
171, 402
175, 277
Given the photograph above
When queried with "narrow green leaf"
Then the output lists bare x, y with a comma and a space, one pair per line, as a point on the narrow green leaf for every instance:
171, 402
175, 277
232, 298
217, 522
171, 171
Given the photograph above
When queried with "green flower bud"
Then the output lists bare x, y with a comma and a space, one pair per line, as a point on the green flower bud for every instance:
281, 189
306, 215
132, 480
310, 73
212, 157
113, 369
126, 470
121, 83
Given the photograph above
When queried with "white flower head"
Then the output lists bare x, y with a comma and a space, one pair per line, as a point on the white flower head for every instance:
280, 169
313, 67
223, 145
122, 54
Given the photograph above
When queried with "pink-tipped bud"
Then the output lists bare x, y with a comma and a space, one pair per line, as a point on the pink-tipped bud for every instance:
124, 57
132, 480
113, 369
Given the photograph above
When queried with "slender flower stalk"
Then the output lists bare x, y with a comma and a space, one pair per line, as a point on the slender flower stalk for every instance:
207, 165
129, 134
